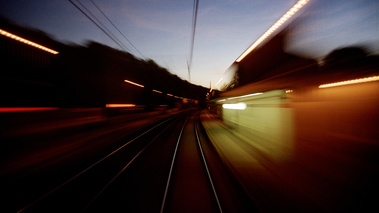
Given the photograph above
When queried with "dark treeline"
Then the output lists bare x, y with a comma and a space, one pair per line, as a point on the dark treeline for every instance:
99, 71
89, 75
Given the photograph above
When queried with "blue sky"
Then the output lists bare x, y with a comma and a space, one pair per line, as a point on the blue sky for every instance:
161, 29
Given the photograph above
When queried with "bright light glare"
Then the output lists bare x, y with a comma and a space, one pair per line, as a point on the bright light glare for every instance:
274, 27
119, 105
131, 82
239, 106
355, 81
25, 41
157, 91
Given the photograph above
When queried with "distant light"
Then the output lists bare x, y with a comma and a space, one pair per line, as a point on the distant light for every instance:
170, 94
289, 91
157, 91
119, 105
239, 106
274, 27
355, 81
131, 82
25, 41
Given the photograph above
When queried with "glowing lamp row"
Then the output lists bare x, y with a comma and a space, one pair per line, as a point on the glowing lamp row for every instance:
154, 90
25, 41
274, 27
135, 84
119, 105
355, 81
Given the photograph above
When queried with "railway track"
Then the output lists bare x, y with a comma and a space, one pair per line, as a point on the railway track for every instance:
190, 186
168, 167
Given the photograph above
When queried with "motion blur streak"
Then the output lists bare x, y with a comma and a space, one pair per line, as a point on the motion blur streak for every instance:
355, 81
240, 106
274, 27
131, 82
119, 105
26, 109
157, 91
219, 81
243, 96
25, 41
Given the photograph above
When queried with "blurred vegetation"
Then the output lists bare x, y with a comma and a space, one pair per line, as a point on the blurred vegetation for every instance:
351, 57
88, 75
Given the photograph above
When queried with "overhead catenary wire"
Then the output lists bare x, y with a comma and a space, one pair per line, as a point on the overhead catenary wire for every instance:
101, 11
109, 34
194, 20
103, 25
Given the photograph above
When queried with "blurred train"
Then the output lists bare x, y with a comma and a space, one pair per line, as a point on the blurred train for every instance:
320, 118
38, 71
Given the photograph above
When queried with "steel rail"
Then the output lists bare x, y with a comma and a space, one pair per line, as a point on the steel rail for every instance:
172, 165
92, 165
123, 169
206, 164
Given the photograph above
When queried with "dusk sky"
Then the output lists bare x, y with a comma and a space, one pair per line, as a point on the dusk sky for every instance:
161, 29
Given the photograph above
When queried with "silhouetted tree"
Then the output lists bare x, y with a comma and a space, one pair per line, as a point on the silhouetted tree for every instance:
348, 58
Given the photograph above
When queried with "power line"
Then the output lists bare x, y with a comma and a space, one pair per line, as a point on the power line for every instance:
109, 31
108, 34
194, 20
98, 8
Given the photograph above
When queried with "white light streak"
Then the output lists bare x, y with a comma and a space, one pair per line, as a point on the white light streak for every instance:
238, 106
219, 81
244, 96
274, 27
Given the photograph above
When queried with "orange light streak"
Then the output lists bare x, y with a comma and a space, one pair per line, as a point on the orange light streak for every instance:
131, 82
274, 27
157, 91
355, 81
25, 41
119, 105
